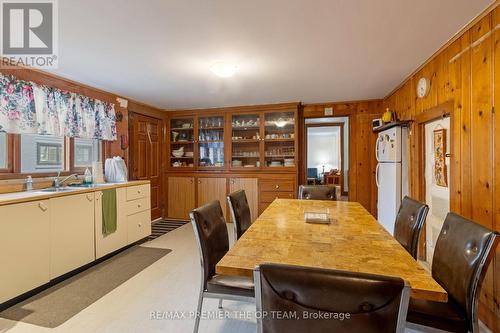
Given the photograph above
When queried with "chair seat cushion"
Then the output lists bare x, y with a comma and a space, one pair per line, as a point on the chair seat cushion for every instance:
444, 316
234, 285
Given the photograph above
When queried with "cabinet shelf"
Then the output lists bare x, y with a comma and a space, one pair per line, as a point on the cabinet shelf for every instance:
182, 129
280, 140
246, 141
181, 142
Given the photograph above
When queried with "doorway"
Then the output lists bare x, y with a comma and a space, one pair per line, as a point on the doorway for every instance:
145, 160
437, 190
325, 145
432, 170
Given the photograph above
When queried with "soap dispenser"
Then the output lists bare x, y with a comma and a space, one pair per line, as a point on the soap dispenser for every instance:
87, 176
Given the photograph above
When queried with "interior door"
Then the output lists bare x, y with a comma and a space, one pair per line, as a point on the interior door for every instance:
146, 147
437, 197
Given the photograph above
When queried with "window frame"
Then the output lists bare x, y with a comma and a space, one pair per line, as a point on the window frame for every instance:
13, 170
71, 148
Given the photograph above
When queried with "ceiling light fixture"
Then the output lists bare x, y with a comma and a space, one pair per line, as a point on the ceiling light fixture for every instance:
280, 123
224, 69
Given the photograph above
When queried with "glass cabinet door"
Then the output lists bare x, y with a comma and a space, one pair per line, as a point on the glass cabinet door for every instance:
211, 142
182, 143
245, 141
279, 139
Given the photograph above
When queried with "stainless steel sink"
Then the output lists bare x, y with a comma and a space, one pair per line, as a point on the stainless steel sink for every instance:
59, 189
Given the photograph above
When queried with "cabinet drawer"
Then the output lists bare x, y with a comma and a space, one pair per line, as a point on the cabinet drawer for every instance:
139, 226
277, 186
138, 205
137, 192
269, 197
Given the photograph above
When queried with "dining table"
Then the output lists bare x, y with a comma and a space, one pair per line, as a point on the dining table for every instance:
353, 241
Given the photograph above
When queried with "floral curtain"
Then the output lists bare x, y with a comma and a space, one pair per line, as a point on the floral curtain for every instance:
30, 108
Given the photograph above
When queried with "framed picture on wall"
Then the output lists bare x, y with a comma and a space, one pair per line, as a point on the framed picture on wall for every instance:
440, 170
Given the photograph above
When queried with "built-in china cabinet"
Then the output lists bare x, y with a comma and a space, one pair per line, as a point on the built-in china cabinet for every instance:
212, 152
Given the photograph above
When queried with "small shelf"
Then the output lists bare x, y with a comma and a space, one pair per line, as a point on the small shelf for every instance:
182, 129
211, 141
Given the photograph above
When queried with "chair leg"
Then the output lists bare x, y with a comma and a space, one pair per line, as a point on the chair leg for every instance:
220, 303
198, 313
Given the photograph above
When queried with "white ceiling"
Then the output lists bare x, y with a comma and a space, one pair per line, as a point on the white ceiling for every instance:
159, 51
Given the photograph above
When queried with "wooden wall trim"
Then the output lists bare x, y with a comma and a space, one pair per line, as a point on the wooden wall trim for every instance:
241, 108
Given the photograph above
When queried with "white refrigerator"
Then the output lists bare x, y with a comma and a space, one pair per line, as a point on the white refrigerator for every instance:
391, 175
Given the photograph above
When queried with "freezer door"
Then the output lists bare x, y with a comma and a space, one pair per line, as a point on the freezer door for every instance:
388, 147
389, 194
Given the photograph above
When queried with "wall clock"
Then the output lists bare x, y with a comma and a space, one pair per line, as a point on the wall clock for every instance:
423, 86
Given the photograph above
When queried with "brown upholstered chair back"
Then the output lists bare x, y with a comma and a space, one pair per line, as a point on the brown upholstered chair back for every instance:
317, 192
409, 223
211, 234
374, 303
240, 212
461, 257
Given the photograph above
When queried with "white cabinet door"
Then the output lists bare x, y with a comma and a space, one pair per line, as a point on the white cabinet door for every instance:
112, 242
72, 233
24, 247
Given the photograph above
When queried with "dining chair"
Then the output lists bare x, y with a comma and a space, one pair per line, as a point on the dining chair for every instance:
461, 257
322, 300
317, 192
213, 243
409, 223
240, 212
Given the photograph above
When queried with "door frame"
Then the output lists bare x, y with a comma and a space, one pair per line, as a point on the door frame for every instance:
441, 111
161, 133
342, 153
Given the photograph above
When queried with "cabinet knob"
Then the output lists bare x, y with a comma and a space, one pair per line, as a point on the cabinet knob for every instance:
138, 191
277, 187
199, 181
42, 206
139, 206
139, 225
89, 197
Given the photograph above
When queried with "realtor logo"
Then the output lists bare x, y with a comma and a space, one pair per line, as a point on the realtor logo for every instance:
29, 33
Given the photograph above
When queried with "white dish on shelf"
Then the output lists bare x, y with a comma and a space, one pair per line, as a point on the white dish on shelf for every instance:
249, 166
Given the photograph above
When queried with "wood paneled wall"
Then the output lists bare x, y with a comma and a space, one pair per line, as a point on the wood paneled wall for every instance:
467, 72
362, 162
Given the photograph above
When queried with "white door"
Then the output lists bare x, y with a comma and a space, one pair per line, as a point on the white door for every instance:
389, 194
437, 197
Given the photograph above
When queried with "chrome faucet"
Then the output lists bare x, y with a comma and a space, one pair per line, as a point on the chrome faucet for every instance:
58, 182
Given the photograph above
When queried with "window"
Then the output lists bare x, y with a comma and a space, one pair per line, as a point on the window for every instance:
3, 151
85, 152
40, 153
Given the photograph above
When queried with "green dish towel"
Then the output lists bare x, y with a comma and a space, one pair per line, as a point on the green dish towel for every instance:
108, 211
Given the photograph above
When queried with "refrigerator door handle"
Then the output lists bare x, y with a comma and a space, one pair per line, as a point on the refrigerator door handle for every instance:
376, 175
377, 149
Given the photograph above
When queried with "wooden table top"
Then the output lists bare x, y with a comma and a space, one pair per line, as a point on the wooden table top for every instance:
353, 242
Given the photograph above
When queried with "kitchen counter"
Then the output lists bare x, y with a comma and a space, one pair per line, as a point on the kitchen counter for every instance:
27, 196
